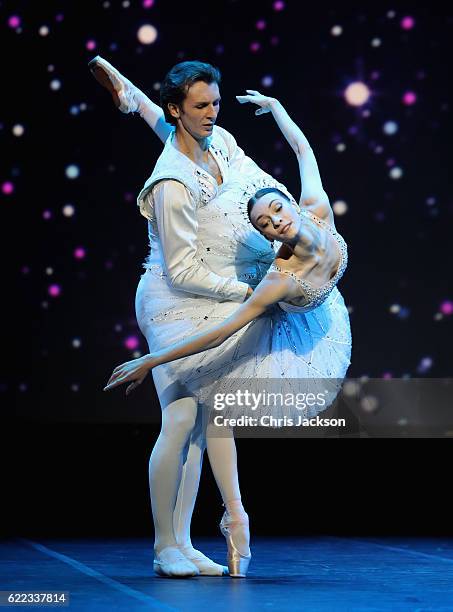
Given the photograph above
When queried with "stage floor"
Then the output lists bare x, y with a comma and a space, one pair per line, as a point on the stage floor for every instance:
311, 574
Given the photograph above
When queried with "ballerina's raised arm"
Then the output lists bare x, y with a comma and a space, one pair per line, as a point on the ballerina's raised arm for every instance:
313, 194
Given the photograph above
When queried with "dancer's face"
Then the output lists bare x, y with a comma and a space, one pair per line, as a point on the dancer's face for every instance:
198, 111
275, 217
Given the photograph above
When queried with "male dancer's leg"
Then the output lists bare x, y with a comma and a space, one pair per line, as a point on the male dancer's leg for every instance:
174, 483
174, 473
190, 479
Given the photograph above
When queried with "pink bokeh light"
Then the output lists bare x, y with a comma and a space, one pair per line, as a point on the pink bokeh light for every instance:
148, 3
409, 98
131, 343
260, 24
79, 253
90, 45
279, 5
14, 21
47, 214
54, 290
7, 188
446, 307
407, 23
254, 47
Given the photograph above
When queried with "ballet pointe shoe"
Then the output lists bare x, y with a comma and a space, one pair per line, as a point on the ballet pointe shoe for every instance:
205, 565
238, 563
125, 95
171, 563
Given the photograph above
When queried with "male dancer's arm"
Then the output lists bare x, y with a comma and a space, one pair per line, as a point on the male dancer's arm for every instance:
273, 288
178, 230
154, 117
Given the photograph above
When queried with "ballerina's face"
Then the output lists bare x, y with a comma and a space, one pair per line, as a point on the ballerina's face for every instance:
275, 217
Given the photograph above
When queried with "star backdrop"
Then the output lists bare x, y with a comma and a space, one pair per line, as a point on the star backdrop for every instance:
370, 89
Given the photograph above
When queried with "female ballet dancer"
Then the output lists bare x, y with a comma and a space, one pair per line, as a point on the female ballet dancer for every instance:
308, 336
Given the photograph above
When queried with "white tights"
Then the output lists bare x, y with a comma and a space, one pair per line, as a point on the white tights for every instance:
175, 467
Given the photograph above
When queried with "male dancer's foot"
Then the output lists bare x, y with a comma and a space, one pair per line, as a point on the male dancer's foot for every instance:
205, 565
172, 563
126, 96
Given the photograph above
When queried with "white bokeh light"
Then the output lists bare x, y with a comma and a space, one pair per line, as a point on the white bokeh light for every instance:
396, 173
390, 127
72, 171
68, 210
147, 34
340, 207
357, 94
18, 129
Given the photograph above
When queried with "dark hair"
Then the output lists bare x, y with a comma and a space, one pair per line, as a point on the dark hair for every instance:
178, 81
259, 194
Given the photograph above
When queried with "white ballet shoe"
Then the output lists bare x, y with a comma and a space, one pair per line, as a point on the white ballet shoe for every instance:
238, 562
206, 566
126, 96
171, 562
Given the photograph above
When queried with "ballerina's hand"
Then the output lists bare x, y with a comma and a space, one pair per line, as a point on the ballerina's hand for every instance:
135, 370
264, 102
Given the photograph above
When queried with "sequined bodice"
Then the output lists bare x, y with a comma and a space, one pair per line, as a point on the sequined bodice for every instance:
316, 295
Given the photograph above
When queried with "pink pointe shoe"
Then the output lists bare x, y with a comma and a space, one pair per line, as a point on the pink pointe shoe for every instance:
125, 95
238, 563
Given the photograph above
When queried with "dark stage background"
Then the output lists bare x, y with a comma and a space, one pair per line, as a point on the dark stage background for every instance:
72, 167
